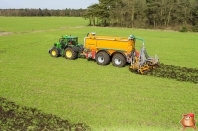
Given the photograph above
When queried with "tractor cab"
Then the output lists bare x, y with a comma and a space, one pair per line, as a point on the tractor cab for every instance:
68, 40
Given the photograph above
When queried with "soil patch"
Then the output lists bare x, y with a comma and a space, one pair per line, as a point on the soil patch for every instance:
2, 33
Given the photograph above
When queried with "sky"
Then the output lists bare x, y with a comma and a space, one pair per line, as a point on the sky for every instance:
49, 4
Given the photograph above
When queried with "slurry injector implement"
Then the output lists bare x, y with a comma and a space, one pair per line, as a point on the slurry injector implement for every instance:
141, 61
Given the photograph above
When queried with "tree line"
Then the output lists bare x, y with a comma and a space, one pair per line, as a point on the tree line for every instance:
156, 14
160, 14
42, 12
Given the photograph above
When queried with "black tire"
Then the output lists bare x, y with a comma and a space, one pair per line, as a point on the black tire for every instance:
102, 58
70, 54
54, 52
118, 60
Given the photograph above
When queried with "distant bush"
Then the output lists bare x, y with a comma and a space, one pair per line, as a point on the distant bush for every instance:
195, 28
184, 29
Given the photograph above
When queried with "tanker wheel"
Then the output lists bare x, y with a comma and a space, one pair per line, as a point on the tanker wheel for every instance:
102, 58
118, 60
54, 52
70, 54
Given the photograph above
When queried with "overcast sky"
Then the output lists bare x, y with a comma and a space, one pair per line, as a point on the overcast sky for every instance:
49, 4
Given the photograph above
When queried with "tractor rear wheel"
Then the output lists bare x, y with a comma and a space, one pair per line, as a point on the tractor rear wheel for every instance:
118, 60
102, 58
54, 52
70, 54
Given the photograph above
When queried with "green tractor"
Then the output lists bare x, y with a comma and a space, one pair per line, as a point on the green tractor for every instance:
67, 47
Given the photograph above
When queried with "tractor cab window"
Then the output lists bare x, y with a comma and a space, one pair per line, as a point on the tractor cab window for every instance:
62, 41
73, 41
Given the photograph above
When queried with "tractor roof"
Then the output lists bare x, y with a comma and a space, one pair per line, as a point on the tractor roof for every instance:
66, 36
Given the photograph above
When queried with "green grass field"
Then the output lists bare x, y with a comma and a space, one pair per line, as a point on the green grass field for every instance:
103, 97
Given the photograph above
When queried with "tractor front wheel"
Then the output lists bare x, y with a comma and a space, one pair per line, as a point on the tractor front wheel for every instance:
54, 52
70, 54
